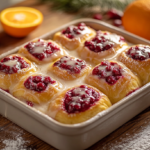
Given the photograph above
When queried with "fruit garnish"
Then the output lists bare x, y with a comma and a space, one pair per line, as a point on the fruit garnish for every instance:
41, 49
114, 14
80, 99
70, 64
100, 43
20, 21
117, 22
139, 52
110, 71
12, 64
97, 16
38, 83
29, 103
136, 18
72, 31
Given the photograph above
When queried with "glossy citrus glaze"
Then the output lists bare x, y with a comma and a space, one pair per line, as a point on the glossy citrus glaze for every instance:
104, 45
137, 58
64, 85
42, 51
72, 37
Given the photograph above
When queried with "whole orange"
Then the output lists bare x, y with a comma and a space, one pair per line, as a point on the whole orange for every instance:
136, 18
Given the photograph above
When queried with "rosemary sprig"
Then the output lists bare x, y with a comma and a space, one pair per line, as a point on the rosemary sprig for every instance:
77, 5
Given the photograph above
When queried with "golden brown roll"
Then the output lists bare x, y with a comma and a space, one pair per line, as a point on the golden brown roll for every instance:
12, 68
72, 37
36, 88
102, 46
137, 58
69, 68
78, 104
113, 79
42, 51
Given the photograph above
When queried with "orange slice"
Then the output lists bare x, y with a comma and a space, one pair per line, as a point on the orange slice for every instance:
20, 21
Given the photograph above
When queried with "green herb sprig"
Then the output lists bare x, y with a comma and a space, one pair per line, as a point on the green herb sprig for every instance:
78, 5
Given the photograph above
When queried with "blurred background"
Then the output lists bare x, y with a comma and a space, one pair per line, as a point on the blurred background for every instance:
7, 3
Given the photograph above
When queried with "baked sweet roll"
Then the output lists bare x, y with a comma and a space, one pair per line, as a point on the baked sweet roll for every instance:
103, 45
35, 89
12, 68
42, 51
69, 68
137, 58
72, 37
113, 79
78, 104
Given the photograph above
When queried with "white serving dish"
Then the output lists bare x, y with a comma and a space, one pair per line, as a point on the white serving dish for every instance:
83, 135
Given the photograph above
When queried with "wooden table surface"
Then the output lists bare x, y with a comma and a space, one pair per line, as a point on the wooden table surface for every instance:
11, 133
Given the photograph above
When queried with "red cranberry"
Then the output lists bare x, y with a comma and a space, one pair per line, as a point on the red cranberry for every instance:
72, 31
139, 52
132, 91
122, 39
41, 86
5, 90
111, 72
81, 24
38, 83
29, 103
97, 16
114, 14
18, 64
80, 99
117, 22
100, 43
73, 66
47, 49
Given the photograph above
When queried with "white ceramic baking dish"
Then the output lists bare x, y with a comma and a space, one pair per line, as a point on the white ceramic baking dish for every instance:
83, 135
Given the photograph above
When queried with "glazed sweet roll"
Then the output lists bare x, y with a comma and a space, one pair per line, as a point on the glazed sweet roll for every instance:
72, 37
69, 68
137, 58
103, 45
42, 51
36, 88
12, 68
113, 79
78, 104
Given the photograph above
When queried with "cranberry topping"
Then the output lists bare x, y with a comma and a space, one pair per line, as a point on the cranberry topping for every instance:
70, 64
80, 99
110, 71
139, 52
38, 83
12, 64
72, 31
132, 91
29, 103
41, 49
100, 43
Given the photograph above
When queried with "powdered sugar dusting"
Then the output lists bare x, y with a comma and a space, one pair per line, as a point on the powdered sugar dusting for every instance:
13, 139
139, 141
15, 144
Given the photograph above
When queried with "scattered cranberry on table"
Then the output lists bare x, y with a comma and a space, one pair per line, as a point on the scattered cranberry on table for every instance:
97, 16
117, 22
114, 14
